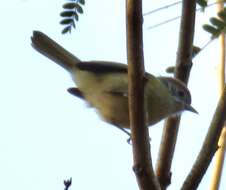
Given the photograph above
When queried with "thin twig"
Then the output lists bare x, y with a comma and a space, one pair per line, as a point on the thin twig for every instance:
182, 71
139, 132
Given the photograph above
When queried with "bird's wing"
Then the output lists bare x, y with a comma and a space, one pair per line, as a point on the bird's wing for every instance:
102, 67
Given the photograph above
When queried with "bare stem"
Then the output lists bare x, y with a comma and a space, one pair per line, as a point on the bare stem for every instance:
182, 71
220, 154
139, 132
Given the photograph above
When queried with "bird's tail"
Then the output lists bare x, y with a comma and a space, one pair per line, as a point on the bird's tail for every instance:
48, 47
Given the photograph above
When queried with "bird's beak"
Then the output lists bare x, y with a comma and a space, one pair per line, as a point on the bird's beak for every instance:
190, 108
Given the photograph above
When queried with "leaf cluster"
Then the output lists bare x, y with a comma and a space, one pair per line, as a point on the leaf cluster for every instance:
202, 3
217, 24
70, 14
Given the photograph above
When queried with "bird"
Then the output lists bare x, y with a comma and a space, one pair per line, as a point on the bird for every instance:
104, 86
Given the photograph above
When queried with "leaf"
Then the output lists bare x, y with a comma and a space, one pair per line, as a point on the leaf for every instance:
69, 5
222, 14
214, 31
70, 14
66, 30
170, 69
82, 2
79, 8
67, 13
195, 50
73, 24
202, 4
66, 21
76, 16
217, 22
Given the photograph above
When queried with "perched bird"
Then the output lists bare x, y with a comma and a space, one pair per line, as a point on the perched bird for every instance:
104, 85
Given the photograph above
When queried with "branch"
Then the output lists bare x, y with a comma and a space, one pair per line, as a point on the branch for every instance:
209, 146
67, 183
182, 71
220, 154
139, 132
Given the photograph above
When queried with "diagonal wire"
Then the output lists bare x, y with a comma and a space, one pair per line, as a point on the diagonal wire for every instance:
177, 17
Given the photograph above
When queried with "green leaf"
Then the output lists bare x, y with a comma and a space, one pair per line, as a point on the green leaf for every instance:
82, 2
202, 3
66, 21
222, 14
214, 31
76, 16
170, 69
195, 50
71, 14
217, 22
67, 13
69, 5
73, 24
79, 8
66, 30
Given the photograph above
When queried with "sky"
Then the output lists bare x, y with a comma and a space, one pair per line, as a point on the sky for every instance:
47, 135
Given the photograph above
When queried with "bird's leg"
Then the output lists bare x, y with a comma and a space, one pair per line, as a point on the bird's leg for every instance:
125, 131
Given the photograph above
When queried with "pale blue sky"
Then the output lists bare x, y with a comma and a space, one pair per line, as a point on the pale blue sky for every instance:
47, 135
